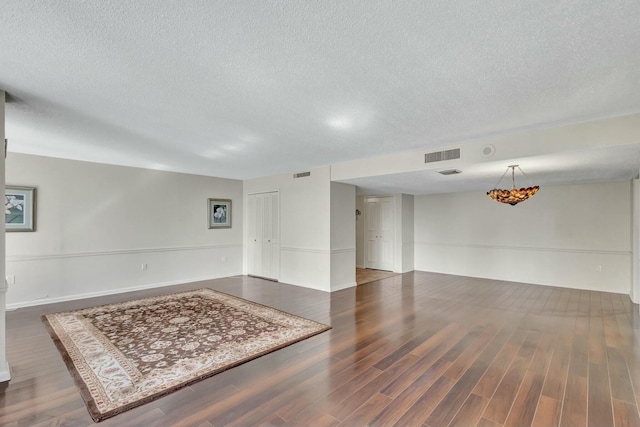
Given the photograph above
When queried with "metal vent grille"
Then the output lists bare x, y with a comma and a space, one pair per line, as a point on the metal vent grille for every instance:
450, 172
440, 156
301, 174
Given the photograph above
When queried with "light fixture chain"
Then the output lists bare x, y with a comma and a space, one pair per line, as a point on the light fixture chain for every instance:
528, 179
498, 183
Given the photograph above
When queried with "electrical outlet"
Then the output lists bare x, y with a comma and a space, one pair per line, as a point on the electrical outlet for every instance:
143, 267
11, 280
598, 268
223, 259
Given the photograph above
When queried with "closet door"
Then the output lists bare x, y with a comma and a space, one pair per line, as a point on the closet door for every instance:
266, 235
263, 234
254, 235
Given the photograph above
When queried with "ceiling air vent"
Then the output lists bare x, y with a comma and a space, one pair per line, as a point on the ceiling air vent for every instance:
301, 174
450, 172
440, 156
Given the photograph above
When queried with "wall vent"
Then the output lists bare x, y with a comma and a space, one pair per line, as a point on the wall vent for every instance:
450, 172
440, 156
301, 174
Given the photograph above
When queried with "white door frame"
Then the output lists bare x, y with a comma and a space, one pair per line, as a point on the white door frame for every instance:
379, 237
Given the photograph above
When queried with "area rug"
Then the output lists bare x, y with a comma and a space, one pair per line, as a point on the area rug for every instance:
127, 354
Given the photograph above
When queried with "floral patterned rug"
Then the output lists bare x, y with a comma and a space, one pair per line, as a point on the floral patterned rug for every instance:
127, 354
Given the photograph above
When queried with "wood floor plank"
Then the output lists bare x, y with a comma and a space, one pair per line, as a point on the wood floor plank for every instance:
526, 401
422, 368
503, 398
403, 350
405, 400
443, 334
352, 403
621, 388
547, 412
313, 417
451, 403
422, 408
470, 411
314, 389
599, 404
625, 414
496, 371
487, 423
556, 378
365, 413
459, 367
574, 408
417, 349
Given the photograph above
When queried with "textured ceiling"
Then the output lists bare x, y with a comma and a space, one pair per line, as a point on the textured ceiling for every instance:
243, 89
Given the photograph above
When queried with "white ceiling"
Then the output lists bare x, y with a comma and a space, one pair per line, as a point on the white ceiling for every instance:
243, 89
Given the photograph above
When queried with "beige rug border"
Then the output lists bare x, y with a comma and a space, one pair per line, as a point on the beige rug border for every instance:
97, 416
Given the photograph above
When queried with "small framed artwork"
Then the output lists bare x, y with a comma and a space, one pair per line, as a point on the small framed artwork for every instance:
219, 213
20, 208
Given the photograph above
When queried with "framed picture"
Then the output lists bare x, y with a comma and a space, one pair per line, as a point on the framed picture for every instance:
20, 208
219, 213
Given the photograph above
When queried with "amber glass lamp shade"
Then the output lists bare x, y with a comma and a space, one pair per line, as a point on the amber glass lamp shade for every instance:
515, 195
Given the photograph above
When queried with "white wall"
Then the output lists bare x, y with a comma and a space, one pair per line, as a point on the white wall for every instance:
97, 224
343, 239
560, 237
305, 233
5, 374
634, 294
404, 225
407, 233
360, 232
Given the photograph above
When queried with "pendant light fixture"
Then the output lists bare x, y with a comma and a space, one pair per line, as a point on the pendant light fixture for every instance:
515, 195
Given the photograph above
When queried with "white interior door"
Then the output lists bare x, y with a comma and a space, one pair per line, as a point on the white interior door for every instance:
266, 235
372, 219
379, 232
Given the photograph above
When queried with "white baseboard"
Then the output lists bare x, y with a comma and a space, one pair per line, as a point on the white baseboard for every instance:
44, 301
5, 374
344, 286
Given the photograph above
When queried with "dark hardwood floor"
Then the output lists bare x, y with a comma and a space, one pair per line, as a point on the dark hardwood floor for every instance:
418, 349
366, 275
